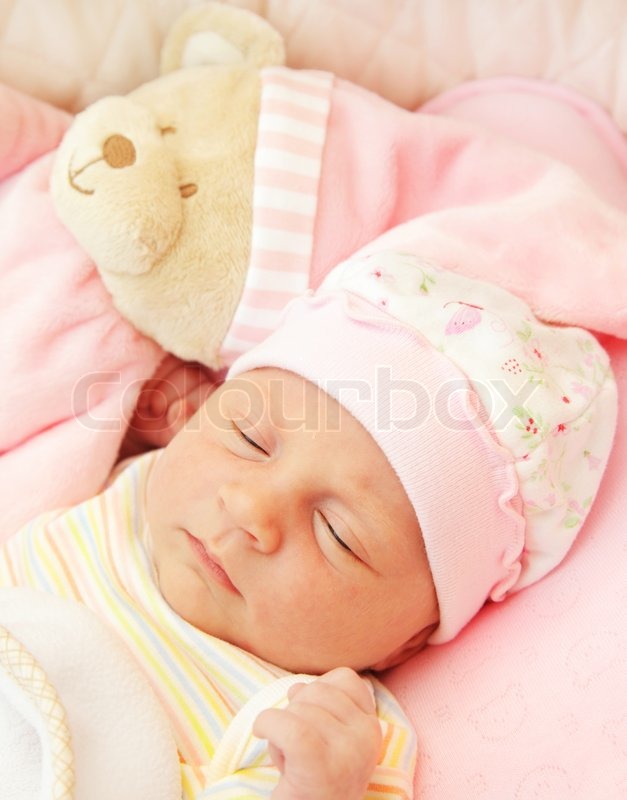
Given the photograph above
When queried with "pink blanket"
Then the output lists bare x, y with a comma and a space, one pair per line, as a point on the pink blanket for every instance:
71, 367
488, 184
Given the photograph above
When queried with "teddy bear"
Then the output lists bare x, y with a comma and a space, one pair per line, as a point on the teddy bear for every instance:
157, 185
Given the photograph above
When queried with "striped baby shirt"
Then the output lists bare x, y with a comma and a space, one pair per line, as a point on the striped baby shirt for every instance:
98, 553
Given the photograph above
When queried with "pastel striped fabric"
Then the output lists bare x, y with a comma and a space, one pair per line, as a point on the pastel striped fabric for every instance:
98, 553
292, 131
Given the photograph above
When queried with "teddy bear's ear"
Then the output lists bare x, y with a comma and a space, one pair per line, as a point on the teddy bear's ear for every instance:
219, 34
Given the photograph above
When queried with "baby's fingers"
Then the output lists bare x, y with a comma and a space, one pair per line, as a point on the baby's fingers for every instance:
338, 708
320, 757
158, 395
290, 737
349, 683
184, 408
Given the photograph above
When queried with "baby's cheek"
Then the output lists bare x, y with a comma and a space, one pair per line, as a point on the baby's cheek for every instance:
285, 605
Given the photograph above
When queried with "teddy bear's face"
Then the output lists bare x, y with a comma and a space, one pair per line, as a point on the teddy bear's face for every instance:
137, 159
157, 185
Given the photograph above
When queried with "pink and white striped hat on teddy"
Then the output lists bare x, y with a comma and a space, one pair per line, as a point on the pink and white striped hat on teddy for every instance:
498, 425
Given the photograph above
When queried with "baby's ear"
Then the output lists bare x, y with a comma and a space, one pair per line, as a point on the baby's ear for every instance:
407, 650
218, 34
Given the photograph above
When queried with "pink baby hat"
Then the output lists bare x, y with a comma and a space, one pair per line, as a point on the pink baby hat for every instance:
498, 425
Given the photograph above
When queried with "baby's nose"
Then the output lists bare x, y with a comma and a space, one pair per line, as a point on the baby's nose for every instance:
255, 509
118, 151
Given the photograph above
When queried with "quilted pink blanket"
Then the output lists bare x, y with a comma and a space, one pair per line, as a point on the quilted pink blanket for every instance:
71, 367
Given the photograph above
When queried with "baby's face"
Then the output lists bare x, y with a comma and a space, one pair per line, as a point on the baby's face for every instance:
278, 525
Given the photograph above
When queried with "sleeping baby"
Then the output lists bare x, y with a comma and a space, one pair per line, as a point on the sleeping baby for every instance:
406, 446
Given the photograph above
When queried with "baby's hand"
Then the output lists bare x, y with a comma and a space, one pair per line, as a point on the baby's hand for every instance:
326, 743
165, 403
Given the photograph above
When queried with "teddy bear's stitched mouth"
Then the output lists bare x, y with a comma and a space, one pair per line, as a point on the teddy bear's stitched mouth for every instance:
186, 189
73, 174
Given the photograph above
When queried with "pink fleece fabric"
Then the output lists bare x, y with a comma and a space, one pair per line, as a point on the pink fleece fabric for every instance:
71, 366
480, 202
549, 117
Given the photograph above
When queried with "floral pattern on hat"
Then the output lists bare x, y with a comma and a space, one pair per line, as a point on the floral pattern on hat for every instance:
548, 391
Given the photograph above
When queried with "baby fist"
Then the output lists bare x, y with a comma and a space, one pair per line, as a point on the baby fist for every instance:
326, 743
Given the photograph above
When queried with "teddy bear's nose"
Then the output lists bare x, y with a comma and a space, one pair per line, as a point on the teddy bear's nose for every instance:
118, 151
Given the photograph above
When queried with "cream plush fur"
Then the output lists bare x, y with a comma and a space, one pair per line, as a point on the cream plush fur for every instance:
157, 186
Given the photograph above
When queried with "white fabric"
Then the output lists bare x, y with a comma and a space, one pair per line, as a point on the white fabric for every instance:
78, 720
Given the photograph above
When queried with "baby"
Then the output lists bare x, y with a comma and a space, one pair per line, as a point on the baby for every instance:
406, 446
